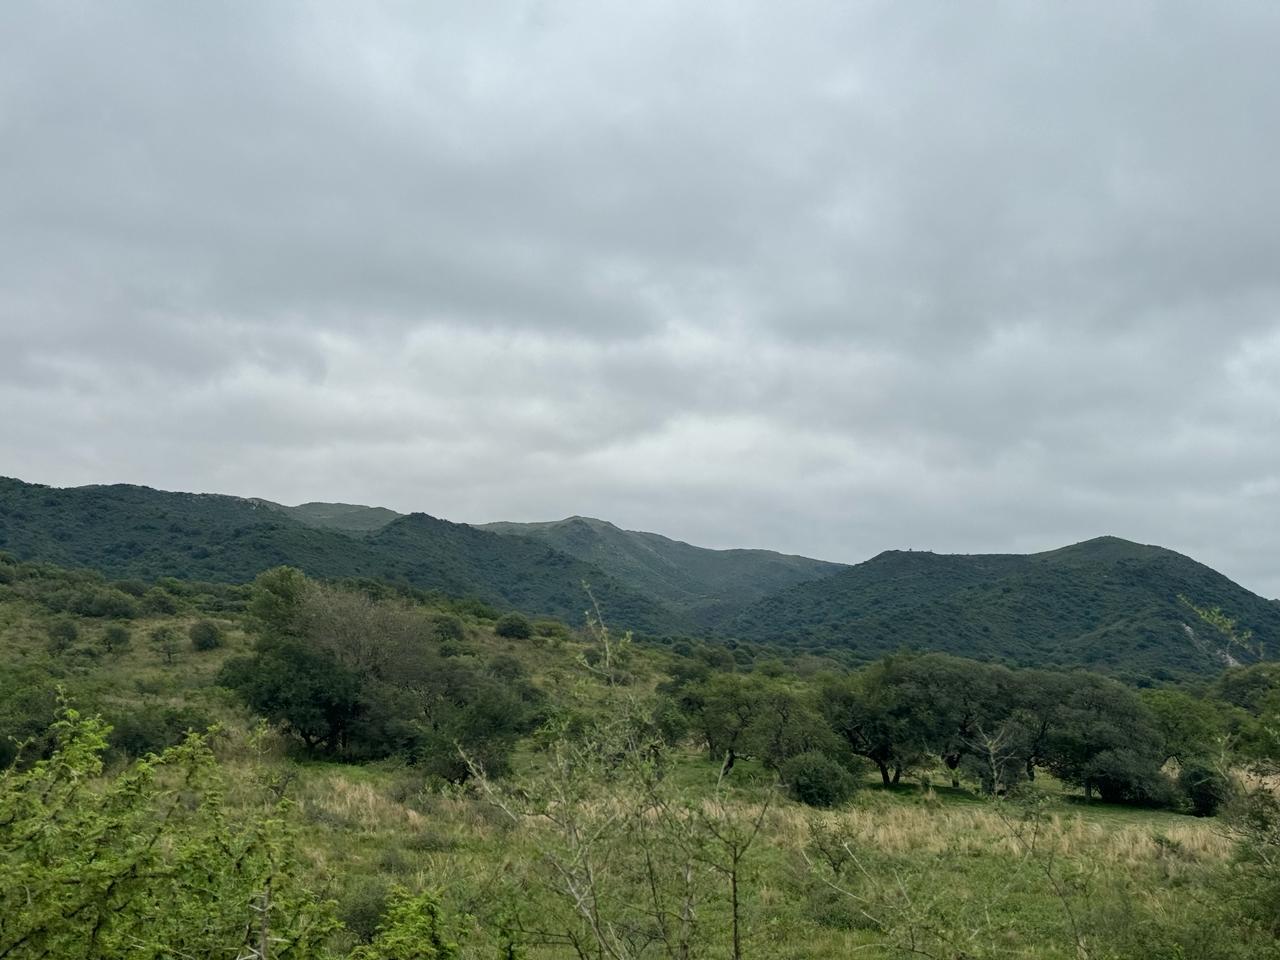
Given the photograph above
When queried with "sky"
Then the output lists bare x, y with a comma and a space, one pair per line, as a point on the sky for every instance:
828, 278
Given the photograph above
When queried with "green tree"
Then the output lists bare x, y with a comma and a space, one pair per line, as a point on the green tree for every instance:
116, 637
415, 928
1105, 740
164, 639
276, 600
513, 626
150, 864
817, 780
62, 632
205, 635
305, 691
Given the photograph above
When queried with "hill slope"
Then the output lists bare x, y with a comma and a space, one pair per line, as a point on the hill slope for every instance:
347, 517
136, 532
709, 584
1107, 603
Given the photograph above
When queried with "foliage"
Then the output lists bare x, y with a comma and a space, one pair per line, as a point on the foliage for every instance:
1105, 604
513, 626
415, 929
707, 585
116, 638
205, 635
136, 532
816, 780
1206, 788
150, 865
349, 674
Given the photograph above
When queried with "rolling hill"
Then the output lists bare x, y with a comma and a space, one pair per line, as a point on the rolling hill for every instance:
137, 532
708, 585
347, 517
1141, 612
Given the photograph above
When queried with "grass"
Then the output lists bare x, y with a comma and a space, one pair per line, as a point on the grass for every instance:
934, 868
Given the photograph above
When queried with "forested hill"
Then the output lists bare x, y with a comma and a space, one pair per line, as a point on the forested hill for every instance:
137, 532
710, 585
347, 517
1140, 612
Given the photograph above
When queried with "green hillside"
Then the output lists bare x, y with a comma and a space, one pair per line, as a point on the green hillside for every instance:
347, 517
136, 532
1141, 612
710, 585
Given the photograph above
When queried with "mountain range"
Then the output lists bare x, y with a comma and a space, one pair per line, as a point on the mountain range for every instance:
1142, 612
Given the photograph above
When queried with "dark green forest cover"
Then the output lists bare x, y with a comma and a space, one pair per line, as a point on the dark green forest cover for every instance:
1143, 613
710, 585
129, 531
1140, 613
347, 517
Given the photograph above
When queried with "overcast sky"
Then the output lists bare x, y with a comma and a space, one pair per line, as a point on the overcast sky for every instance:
825, 278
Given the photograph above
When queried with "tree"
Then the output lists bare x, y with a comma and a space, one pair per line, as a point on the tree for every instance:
63, 632
878, 718
152, 864
205, 635
816, 780
1189, 727
276, 600
1205, 787
164, 639
513, 626
116, 637
304, 690
415, 928
722, 711
1105, 740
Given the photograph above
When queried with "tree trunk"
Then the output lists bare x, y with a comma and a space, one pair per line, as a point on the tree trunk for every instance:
884, 772
897, 775
737, 935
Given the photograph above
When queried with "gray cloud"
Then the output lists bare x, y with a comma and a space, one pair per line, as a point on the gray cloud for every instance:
828, 278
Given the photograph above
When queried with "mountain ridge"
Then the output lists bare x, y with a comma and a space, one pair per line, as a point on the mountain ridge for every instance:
1106, 603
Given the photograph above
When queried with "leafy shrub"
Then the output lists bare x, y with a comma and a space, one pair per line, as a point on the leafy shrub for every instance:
446, 627
415, 927
816, 780
205, 635
506, 667
62, 634
153, 729
103, 602
513, 626
116, 638
156, 600
1204, 786
164, 640
361, 906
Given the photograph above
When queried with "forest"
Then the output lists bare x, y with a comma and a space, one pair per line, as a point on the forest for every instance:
297, 767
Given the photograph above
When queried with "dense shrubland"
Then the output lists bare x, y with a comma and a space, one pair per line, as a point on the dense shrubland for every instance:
430, 777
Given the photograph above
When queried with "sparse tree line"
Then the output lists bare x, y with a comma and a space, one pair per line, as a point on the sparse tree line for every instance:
982, 723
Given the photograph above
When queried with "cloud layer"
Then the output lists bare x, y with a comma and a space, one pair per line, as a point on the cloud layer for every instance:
828, 278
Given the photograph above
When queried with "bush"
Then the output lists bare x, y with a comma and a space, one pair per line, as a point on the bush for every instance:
205, 635
361, 906
513, 626
153, 729
116, 637
447, 627
62, 634
1204, 786
156, 600
104, 602
816, 780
